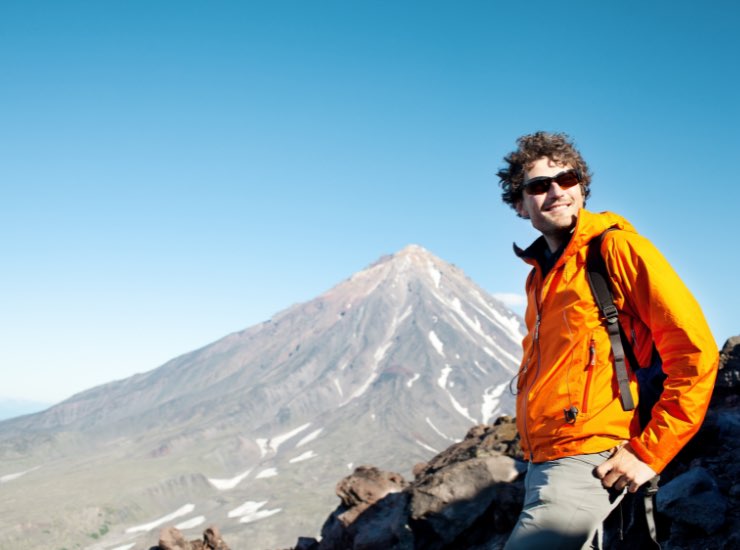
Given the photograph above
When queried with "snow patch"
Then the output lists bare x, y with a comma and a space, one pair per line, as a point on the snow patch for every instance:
378, 357
250, 511
274, 443
381, 351
264, 447
510, 324
427, 447
226, 484
310, 437
459, 408
248, 507
439, 432
404, 315
491, 401
435, 274
436, 342
262, 514
413, 379
191, 523
442, 380
125, 546
339, 388
182, 511
476, 327
362, 389
267, 472
10, 477
305, 456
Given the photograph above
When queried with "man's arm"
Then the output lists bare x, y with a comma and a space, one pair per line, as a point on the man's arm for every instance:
658, 297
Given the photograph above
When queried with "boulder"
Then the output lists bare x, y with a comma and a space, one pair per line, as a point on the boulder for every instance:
693, 499
170, 538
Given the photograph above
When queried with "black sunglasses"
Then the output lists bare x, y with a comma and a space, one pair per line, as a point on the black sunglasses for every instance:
565, 180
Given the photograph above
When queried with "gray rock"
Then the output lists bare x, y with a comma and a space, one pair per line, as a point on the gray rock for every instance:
384, 525
367, 494
447, 502
693, 499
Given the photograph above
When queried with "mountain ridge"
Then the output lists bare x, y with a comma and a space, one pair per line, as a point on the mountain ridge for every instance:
385, 366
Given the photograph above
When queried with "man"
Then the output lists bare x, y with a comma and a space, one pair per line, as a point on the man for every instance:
584, 450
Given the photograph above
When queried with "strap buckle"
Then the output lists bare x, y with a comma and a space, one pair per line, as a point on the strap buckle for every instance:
610, 312
651, 487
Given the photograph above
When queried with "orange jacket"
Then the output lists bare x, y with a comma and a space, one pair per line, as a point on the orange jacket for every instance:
567, 360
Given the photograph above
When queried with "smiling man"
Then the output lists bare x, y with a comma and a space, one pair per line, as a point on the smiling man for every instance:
585, 442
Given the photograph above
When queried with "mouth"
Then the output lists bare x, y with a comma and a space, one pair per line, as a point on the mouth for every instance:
557, 207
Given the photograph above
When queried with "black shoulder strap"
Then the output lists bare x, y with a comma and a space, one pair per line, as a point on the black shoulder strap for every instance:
598, 279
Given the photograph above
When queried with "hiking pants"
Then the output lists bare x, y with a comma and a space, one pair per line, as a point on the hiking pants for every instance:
564, 505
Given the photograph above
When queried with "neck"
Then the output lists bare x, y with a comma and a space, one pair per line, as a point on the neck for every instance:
555, 240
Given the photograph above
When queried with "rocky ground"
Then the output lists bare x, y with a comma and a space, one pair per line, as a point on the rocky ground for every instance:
469, 496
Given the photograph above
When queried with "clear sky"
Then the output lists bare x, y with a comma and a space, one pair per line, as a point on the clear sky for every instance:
173, 171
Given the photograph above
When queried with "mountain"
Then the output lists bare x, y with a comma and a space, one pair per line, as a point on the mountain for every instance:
388, 367
11, 407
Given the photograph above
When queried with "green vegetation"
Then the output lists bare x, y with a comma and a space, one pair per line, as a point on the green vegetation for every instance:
102, 531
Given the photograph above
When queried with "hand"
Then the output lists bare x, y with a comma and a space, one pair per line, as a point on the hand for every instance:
624, 469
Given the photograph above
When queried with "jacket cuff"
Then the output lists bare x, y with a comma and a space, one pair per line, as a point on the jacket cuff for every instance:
657, 463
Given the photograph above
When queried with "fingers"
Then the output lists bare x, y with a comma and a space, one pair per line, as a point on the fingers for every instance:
623, 470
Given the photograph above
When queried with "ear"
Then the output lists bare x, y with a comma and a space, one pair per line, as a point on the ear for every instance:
519, 207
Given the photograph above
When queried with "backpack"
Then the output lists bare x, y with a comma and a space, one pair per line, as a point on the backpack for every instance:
649, 378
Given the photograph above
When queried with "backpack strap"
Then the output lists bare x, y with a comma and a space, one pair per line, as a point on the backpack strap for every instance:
649, 490
598, 280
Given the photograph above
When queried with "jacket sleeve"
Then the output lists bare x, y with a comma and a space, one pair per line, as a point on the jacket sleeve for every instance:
658, 297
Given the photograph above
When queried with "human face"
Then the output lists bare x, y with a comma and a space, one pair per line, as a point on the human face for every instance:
553, 213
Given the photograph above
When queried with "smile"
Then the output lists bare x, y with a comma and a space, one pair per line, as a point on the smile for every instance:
559, 206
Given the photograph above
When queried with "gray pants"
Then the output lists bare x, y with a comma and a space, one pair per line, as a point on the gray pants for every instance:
564, 505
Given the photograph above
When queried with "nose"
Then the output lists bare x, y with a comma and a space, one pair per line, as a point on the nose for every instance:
555, 190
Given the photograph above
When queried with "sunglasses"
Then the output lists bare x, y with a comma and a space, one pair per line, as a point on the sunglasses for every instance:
565, 180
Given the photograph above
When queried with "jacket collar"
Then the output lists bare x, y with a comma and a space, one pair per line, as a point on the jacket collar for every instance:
588, 226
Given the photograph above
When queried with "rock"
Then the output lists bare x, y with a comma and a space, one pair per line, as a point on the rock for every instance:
170, 538
366, 486
728, 376
693, 499
384, 525
448, 502
306, 543
358, 492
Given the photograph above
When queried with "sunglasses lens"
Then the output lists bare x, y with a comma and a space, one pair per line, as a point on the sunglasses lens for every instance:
538, 186
567, 180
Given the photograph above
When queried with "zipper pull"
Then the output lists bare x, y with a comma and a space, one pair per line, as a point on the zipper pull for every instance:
592, 352
537, 329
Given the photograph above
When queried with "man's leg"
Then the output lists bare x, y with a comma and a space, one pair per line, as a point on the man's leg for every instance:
564, 504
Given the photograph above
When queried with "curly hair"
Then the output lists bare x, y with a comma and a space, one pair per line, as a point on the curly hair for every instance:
532, 147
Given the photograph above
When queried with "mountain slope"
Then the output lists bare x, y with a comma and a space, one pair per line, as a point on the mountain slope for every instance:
390, 365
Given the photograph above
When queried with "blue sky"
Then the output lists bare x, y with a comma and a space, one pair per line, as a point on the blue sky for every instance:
174, 171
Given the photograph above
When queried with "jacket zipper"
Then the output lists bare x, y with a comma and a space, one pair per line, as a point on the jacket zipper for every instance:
589, 374
529, 386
